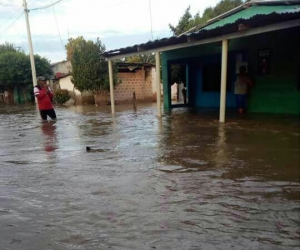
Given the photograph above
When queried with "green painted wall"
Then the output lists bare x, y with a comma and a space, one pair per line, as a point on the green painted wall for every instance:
22, 94
165, 80
278, 92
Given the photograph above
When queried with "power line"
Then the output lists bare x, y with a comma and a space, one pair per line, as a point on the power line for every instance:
2, 24
47, 6
12, 23
58, 28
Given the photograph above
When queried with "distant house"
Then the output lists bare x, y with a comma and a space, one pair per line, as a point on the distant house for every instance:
264, 36
133, 77
63, 67
62, 80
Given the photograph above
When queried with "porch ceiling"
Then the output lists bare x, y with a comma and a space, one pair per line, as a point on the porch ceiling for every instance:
254, 17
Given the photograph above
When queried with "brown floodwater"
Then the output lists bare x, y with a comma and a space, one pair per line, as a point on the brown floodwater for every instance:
180, 182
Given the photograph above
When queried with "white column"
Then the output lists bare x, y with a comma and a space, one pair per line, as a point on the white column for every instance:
158, 85
223, 80
111, 87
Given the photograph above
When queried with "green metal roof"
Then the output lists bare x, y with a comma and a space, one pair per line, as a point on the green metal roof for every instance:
251, 12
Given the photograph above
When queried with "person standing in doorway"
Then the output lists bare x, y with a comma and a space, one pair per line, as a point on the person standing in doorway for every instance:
242, 85
6, 96
44, 97
184, 94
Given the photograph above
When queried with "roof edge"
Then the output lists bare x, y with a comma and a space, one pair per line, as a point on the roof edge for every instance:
245, 5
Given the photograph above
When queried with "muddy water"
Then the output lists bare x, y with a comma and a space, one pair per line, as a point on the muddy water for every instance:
183, 182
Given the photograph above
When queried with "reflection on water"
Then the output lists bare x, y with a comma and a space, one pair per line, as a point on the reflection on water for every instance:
180, 182
49, 135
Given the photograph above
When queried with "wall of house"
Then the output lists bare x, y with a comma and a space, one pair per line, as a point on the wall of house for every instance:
277, 92
153, 80
21, 94
194, 58
62, 67
139, 82
79, 98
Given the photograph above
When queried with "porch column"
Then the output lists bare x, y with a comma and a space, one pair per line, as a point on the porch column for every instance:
158, 85
111, 87
223, 80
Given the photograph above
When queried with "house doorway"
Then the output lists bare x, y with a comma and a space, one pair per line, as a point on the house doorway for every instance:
178, 83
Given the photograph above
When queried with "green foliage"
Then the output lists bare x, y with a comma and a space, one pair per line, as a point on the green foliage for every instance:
62, 96
183, 24
7, 47
72, 44
42, 66
177, 73
15, 68
89, 67
149, 58
187, 21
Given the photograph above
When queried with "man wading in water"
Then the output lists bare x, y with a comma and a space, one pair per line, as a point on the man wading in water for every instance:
44, 96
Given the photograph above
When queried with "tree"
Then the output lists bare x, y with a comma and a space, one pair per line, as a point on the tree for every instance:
15, 68
184, 23
42, 66
177, 73
7, 47
72, 45
89, 68
187, 21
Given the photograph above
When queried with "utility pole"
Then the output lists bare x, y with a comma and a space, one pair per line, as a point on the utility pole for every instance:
30, 44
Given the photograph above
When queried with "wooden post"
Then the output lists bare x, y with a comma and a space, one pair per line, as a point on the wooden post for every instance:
111, 87
223, 80
134, 100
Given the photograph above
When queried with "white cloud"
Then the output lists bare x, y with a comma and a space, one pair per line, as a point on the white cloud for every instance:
116, 22
10, 3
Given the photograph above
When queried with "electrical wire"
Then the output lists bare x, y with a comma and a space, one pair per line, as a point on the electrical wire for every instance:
1, 31
47, 6
18, 11
58, 28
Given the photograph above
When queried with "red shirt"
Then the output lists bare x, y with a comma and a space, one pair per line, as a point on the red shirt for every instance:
44, 98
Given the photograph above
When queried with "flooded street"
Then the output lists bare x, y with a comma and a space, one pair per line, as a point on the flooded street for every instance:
182, 182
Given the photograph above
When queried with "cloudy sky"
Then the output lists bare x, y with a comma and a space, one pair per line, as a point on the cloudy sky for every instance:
118, 23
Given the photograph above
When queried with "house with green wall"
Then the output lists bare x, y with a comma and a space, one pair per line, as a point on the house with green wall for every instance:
263, 36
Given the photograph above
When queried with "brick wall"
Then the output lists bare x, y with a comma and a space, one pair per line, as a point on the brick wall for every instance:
139, 82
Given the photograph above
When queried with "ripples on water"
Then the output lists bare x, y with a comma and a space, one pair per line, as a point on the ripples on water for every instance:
183, 182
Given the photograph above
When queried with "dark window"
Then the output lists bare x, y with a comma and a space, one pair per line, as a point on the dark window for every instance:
212, 78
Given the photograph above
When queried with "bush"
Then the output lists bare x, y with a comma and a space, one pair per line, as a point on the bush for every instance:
62, 96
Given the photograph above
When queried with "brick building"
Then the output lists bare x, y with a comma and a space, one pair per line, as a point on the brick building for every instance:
134, 78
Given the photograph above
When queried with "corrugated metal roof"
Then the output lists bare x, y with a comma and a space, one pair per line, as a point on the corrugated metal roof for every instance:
252, 11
